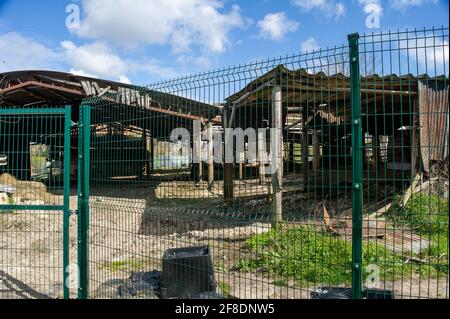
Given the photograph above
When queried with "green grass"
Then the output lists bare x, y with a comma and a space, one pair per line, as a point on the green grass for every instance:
428, 216
224, 288
309, 256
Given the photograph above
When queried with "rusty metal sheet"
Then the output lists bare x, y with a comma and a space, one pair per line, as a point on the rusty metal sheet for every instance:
434, 121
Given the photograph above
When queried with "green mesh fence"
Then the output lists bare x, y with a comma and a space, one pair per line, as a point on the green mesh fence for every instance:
286, 178
34, 202
404, 92
315, 175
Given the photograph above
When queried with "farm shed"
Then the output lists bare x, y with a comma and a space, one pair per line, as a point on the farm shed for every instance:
154, 115
405, 123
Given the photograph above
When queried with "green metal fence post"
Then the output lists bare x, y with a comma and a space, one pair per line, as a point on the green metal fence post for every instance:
355, 85
66, 223
83, 198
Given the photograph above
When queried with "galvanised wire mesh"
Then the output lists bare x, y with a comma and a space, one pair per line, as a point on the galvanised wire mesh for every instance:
404, 91
34, 207
276, 179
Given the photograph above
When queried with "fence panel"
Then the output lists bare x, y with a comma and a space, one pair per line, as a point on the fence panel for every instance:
404, 90
34, 202
251, 182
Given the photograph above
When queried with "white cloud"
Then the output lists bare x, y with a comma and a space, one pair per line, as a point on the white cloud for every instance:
329, 8
124, 79
152, 68
179, 23
405, 4
19, 52
431, 54
82, 73
274, 26
99, 60
96, 58
309, 45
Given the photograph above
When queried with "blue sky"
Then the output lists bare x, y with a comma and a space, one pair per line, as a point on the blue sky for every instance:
143, 41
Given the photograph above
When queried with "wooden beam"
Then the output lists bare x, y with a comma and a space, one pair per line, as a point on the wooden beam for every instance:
303, 89
4, 101
415, 152
44, 85
35, 95
277, 157
210, 156
228, 171
241, 171
163, 111
330, 90
55, 89
197, 148
58, 94
316, 150
261, 156
152, 154
305, 150
147, 141
291, 159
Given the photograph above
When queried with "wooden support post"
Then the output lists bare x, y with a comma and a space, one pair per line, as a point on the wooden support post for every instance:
241, 163
143, 148
415, 151
261, 157
197, 141
210, 156
277, 157
316, 150
291, 160
153, 143
241, 171
149, 155
228, 168
305, 151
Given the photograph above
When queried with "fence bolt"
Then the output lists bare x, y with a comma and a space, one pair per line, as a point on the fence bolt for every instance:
357, 186
356, 122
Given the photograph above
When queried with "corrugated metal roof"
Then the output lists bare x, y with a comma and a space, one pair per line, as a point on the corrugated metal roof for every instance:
304, 82
21, 88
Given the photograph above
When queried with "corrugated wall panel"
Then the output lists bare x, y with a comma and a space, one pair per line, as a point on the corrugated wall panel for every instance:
434, 121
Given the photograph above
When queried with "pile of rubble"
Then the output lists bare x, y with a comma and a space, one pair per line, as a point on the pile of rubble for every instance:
14, 191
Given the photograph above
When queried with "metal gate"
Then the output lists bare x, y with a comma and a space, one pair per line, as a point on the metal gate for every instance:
34, 202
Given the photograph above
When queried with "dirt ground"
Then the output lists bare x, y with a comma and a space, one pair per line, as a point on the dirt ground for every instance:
129, 232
